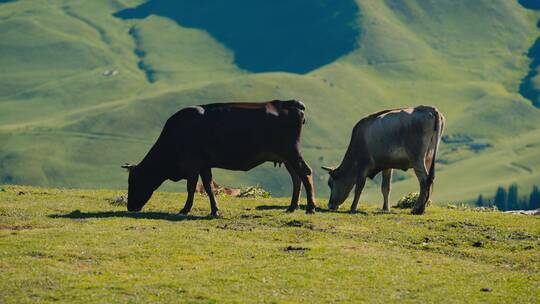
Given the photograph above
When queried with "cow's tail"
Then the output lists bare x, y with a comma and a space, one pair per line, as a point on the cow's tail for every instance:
436, 139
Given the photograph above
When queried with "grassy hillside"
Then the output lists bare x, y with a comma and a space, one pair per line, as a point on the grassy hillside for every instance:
74, 246
83, 90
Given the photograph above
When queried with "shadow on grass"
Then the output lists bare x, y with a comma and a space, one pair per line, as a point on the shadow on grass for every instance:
274, 207
303, 207
152, 215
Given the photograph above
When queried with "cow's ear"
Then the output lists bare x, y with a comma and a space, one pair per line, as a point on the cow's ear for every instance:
328, 169
128, 167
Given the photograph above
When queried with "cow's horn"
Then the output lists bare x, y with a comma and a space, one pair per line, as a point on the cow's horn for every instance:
127, 166
329, 169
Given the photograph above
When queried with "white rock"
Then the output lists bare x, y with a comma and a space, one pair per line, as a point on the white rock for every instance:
525, 212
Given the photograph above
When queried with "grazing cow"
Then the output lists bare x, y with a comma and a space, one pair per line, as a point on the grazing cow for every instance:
399, 138
233, 136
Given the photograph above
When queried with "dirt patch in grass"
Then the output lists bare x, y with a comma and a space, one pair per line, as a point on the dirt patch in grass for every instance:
16, 227
521, 236
236, 226
298, 223
465, 225
250, 216
295, 249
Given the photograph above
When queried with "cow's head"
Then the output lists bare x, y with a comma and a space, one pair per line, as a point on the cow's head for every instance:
141, 184
340, 186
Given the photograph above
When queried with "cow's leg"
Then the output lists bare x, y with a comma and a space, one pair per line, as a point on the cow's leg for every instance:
385, 187
191, 187
422, 175
305, 173
297, 184
206, 176
360, 182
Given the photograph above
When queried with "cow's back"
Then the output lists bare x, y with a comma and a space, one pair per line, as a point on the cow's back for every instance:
391, 137
236, 136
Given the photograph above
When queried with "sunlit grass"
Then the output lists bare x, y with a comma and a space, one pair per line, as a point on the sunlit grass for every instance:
74, 246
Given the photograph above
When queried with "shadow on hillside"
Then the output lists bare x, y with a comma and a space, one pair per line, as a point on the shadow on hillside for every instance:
152, 215
528, 88
295, 36
530, 4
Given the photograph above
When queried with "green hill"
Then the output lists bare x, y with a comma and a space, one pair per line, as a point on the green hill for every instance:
86, 86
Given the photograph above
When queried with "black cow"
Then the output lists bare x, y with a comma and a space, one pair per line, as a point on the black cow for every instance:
233, 136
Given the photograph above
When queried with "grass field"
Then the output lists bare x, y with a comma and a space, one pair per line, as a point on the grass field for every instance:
74, 246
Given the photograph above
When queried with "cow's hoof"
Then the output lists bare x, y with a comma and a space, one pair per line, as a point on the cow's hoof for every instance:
353, 211
184, 212
417, 212
214, 214
310, 211
291, 209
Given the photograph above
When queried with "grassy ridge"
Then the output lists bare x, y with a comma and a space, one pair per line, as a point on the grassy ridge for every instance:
65, 123
74, 246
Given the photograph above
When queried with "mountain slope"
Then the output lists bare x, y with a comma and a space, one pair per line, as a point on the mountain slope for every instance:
68, 119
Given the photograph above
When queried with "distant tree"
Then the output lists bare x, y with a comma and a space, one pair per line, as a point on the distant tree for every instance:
534, 198
523, 203
480, 201
500, 199
513, 198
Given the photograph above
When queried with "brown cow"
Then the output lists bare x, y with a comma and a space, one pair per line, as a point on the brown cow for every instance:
391, 139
